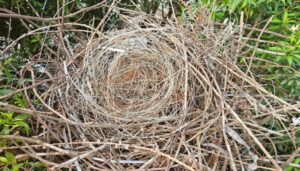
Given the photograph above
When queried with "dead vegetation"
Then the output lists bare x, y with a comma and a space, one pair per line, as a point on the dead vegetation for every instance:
151, 97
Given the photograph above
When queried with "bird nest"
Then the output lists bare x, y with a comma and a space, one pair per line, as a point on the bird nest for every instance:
166, 97
161, 88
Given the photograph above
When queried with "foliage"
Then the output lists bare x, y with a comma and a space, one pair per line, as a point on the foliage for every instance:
10, 122
292, 168
280, 72
11, 164
283, 81
285, 78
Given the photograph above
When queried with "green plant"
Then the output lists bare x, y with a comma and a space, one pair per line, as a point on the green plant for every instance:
283, 81
285, 78
10, 122
293, 168
19, 100
280, 73
11, 164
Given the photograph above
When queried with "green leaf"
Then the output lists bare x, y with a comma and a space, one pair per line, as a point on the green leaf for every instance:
78, 3
291, 82
4, 122
5, 91
290, 60
5, 131
24, 80
288, 168
9, 60
19, 100
274, 27
244, 4
34, 40
297, 160
285, 18
8, 74
22, 124
276, 20
37, 164
283, 82
6, 115
18, 167
22, 117
233, 5
3, 160
10, 157
276, 48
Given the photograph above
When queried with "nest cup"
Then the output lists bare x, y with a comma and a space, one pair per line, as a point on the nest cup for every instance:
134, 77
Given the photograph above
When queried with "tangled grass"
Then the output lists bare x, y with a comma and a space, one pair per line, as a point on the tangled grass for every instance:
153, 97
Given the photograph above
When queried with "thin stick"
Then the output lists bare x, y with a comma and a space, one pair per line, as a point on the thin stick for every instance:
52, 20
